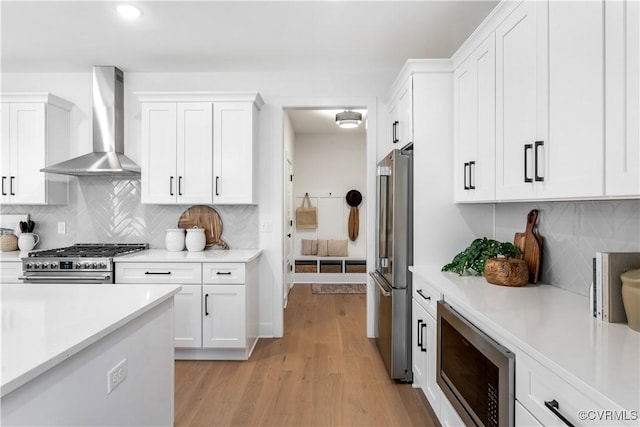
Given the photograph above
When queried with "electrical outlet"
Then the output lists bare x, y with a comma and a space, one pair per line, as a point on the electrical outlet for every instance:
62, 227
116, 375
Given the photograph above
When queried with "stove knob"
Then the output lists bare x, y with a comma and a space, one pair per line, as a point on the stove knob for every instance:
87, 265
78, 266
95, 265
36, 265
103, 265
53, 265
29, 265
45, 265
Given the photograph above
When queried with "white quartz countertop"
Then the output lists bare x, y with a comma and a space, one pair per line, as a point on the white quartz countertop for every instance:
210, 255
42, 325
13, 256
553, 326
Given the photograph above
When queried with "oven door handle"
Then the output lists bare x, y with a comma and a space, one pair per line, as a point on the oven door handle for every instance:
70, 278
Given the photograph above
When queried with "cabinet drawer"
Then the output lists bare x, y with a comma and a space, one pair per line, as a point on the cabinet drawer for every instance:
214, 272
536, 385
10, 271
176, 272
425, 295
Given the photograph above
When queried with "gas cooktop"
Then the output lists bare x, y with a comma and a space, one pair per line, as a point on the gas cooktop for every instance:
91, 250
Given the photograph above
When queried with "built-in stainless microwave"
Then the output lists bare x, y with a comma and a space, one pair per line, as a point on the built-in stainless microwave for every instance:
475, 373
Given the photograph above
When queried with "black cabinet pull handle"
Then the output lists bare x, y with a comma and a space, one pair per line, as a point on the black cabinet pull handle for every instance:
223, 273
419, 328
11, 185
395, 132
423, 347
217, 179
206, 304
419, 291
527, 147
538, 144
471, 166
171, 186
553, 406
179, 186
4, 178
157, 272
464, 172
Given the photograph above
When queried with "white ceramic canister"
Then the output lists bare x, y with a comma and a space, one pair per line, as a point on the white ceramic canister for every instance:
174, 239
195, 239
28, 241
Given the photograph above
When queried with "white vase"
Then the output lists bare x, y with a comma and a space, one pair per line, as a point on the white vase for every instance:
195, 240
28, 241
174, 239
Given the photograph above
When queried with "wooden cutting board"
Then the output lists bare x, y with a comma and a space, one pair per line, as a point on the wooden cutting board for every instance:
530, 244
206, 217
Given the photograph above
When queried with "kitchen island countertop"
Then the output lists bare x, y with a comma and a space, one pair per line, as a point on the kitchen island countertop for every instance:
209, 255
44, 325
553, 326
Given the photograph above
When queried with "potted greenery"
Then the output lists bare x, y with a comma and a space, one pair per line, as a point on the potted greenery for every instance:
473, 258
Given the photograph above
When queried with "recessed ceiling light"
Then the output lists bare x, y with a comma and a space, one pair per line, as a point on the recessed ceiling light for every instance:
128, 11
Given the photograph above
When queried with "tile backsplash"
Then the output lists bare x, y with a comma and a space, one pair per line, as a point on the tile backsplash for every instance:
108, 210
573, 232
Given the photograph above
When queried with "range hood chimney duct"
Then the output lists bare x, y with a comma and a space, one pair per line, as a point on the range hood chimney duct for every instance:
107, 158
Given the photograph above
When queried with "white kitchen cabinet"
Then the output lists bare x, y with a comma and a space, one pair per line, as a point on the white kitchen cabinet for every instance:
474, 103
35, 133
622, 104
199, 147
187, 324
524, 417
550, 101
448, 416
402, 107
223, 320
10, 271
235, 153
177, 152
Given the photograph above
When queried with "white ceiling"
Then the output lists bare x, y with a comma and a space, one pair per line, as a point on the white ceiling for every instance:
71, 36
235, 36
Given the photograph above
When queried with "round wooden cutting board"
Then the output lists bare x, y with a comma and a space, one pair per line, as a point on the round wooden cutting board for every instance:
206, 217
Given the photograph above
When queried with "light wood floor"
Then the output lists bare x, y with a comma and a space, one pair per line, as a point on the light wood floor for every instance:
324, 372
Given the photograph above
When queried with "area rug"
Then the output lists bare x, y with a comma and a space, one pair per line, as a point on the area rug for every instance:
338, 288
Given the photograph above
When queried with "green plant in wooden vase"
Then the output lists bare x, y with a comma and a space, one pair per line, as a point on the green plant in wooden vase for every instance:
473, 258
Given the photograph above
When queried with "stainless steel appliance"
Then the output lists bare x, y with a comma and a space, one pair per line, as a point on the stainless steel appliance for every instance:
107, 157
474, 372
394, 255
80, 263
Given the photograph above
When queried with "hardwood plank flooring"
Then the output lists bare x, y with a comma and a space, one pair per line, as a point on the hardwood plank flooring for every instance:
323, 372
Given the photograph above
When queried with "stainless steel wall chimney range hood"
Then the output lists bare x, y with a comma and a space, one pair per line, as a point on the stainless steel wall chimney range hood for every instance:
107, 158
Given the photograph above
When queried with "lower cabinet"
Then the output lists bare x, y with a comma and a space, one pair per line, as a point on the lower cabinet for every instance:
215, 313
10, 271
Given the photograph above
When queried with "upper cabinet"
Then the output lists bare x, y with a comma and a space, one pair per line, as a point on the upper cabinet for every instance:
474, 125
622, 105
401, 114
35, 131
199, 148
566, 103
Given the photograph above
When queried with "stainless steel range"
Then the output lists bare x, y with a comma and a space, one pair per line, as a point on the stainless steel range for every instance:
80, 263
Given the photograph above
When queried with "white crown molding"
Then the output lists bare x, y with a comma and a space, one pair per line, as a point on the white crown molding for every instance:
419, 66
253, 97
37, 97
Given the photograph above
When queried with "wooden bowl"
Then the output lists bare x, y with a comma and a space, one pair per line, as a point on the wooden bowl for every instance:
506, 271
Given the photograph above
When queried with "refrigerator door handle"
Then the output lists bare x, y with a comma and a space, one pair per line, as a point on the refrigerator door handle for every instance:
383, 217
385, 292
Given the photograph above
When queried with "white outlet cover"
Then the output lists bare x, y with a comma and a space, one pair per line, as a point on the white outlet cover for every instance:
116, 375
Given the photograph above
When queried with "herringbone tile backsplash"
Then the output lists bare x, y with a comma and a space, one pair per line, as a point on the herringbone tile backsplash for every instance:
103, 210
573, 232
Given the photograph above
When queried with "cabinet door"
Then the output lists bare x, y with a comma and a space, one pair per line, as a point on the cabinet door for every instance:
194, 154
187, 326
404, 128
622, 98
430, 387
520, 101
5, 151
571, 160
233, 153
475, 124
223, 316
27, 147
158, 164
419, 349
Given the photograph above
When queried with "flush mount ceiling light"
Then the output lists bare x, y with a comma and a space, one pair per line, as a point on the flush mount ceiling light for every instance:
348, 119
128, 11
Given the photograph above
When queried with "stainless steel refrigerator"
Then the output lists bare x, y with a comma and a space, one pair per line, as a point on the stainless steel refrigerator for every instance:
394, 255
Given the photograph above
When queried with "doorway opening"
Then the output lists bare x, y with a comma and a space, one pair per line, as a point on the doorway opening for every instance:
326, 169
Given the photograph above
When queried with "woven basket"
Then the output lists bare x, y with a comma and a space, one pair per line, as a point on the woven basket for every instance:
506, 271
8, 243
